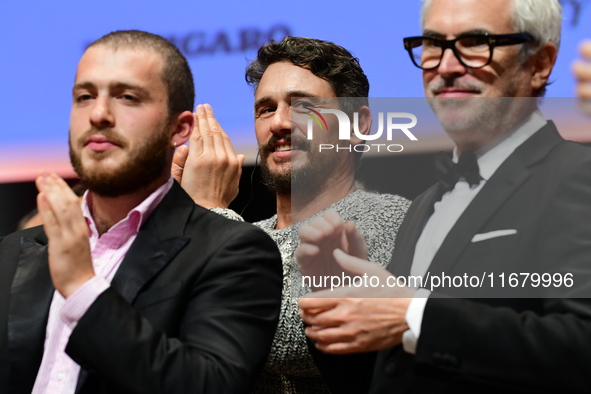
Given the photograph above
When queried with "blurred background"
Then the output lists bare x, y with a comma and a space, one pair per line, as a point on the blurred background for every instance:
43, 41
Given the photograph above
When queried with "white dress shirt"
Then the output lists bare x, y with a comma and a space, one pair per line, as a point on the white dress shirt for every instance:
450, 208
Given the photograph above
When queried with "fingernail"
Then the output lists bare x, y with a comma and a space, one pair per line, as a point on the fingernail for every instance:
200, 109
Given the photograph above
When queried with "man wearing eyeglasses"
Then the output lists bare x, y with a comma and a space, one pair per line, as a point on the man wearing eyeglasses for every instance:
515, 199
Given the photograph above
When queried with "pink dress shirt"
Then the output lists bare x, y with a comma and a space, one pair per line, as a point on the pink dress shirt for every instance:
58, 373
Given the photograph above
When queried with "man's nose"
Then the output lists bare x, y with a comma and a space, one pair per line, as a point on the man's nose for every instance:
281, 122
450, 65
101, 115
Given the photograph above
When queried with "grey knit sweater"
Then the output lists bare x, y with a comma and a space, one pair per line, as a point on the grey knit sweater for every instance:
290, 368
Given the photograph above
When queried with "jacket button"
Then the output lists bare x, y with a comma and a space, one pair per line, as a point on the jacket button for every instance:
390, 369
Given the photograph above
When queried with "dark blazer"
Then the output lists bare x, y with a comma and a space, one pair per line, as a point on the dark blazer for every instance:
192, 309
543, 190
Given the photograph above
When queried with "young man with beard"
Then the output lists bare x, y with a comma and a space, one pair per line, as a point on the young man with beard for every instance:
288, 78
141, 290
515, 201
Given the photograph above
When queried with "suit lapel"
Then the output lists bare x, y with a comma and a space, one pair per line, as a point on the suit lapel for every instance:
417, 216
508, 178
492, 196
157, 242
31, 293
146, 257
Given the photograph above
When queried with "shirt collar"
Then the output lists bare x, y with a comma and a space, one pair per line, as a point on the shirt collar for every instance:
493, 154
136, 217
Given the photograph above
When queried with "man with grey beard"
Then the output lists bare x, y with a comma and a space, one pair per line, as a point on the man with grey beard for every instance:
512, 206
289, 78
137, 289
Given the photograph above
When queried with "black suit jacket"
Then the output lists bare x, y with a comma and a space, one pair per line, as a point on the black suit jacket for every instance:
543, 190
193, 308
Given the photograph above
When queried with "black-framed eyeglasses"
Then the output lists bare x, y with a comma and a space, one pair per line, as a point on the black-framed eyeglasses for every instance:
471, 50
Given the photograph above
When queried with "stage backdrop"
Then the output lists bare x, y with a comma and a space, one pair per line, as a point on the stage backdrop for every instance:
43, 41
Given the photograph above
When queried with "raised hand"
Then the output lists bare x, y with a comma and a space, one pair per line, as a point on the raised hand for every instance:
357, 319
208, 170
320, 238
582, 70
70, 262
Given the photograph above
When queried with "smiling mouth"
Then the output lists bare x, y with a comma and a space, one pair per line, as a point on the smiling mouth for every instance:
283, 148
455, 92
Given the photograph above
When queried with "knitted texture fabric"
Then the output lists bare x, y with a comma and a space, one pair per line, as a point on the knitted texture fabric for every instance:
290, 368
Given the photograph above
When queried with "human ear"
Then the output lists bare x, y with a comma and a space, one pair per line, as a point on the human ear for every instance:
183, 127
364, 125
543, 62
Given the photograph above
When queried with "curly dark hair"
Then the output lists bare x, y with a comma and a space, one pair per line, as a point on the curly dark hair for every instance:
176, 75
326, 60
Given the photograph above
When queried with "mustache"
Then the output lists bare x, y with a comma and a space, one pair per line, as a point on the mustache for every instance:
299, 143
442, 83
108, 133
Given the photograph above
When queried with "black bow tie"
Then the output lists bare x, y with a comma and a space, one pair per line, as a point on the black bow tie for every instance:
449, 173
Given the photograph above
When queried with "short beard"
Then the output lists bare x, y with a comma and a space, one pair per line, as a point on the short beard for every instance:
474, 118
479, 115
302, 181
143, 166
305, 180
279, 183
